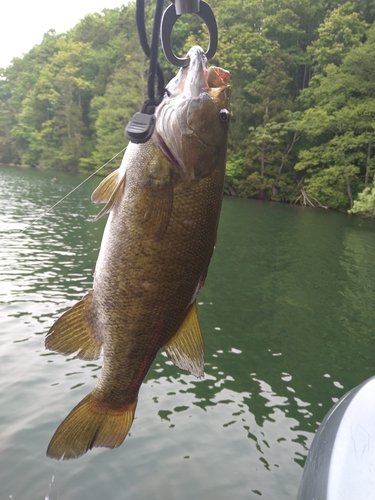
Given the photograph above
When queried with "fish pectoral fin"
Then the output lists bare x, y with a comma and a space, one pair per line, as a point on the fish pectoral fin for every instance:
109, 191
159, 203
186, 347
108, 185
92, 423
73, 332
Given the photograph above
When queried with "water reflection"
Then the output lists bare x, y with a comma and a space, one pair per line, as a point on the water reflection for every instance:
358, 289
288, 320
265, 440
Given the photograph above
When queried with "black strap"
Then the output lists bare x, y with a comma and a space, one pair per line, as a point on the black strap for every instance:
142, 125
151, 53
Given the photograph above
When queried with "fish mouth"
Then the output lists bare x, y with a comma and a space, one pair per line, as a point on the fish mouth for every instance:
192, 78
171, 114
187, 92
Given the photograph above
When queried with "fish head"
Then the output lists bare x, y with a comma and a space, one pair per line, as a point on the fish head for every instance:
192, 120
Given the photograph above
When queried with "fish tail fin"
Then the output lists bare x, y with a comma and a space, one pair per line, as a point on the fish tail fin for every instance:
92, 423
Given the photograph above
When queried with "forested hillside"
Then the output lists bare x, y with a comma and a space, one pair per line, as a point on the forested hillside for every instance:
303, 96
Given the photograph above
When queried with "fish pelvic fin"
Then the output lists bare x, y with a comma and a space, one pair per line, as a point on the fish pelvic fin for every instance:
109, 192
73, 332
91, 424
186, 347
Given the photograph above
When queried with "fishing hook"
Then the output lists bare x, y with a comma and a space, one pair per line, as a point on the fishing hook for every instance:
170, 16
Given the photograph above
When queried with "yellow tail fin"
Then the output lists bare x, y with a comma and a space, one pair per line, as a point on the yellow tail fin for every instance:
91, 424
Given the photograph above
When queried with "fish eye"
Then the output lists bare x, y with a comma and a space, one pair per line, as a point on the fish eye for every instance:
224, 115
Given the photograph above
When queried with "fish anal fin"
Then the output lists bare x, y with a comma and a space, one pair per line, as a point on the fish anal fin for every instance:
186, 347
109, 191
91, 424
73, 332
159, 195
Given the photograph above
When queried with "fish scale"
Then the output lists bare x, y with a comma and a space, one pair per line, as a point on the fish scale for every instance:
164, 205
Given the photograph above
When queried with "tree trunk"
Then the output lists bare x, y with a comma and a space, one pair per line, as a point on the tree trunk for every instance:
306, 199
349, 189
232, 192
262, 164
348, 185
296, 136
368, 162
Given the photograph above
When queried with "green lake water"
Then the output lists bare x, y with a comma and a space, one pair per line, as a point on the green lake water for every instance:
288, 318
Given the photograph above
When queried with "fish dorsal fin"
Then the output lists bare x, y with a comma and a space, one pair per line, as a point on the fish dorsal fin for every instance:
186, 347
73, 332
109, 191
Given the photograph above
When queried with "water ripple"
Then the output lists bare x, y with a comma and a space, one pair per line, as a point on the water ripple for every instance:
286, 309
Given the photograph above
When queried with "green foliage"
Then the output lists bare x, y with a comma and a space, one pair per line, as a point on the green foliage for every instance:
339, 127
233, 168
303, 95
365, 205
124, 95
342, 30
329, 186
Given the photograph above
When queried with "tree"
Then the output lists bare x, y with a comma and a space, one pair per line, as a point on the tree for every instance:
52, 116
341, 31
302, 78
16, 82
125, 94
272, 134
338, 127
365, 205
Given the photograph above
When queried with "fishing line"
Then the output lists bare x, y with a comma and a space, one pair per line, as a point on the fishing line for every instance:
71, 192
155, 70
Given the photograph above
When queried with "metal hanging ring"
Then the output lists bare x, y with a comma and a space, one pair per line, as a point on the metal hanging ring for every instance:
168, 21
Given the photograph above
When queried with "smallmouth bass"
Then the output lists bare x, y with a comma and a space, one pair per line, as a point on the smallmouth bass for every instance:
164, 204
